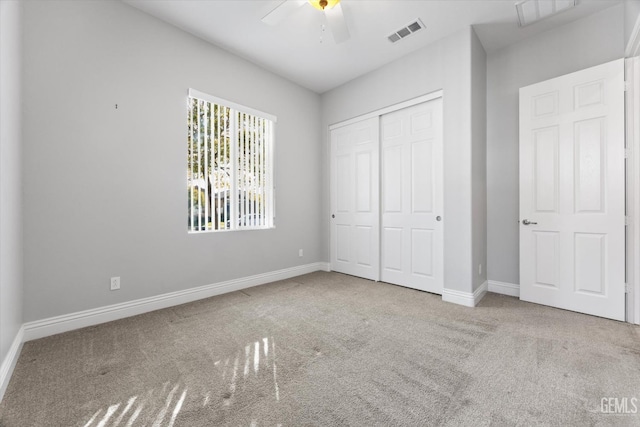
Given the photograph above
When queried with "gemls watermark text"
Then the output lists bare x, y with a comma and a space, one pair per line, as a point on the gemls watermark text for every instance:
619, 405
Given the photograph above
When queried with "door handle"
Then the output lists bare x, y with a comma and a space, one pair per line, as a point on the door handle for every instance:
527, 222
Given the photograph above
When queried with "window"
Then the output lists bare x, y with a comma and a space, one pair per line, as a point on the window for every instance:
230, 165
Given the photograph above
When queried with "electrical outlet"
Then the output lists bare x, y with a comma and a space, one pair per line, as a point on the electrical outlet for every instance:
479, 269
300, 252
115, 283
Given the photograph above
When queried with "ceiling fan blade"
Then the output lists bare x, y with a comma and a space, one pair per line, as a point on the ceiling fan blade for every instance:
280, 12
337, 23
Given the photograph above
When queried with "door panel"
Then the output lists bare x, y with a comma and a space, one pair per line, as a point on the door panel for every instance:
546, 170
411, 179
392, 254
422, 182
421, 250
572, 253
590, 258
589, 165
342, 241
364, 255
546, 263
355, 199
363, 182
392, 157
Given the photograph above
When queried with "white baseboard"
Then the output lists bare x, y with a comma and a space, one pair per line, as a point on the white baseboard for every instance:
504, 288
68, 322
467, 299
10, 360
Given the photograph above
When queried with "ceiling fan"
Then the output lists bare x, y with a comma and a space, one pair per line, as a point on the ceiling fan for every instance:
331, 8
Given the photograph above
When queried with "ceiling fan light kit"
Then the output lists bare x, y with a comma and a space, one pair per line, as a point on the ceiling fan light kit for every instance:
331, 9
323, 4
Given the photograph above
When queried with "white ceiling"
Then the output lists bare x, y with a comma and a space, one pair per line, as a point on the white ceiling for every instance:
293, 49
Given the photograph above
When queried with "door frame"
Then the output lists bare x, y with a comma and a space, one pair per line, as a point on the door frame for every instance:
378, 113
632, 107
390, 109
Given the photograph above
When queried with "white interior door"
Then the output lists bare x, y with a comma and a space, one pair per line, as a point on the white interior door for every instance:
355, 225
412, 197
572, 192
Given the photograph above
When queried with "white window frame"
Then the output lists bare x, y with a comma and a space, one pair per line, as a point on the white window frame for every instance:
269, 187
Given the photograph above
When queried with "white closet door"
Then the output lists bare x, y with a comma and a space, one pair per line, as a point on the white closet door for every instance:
355, 225
412, 197
572, 192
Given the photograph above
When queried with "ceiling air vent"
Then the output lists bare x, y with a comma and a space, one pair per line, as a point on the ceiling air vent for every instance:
405, 31
530, 11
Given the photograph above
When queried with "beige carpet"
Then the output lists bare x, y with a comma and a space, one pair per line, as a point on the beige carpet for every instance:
328, 349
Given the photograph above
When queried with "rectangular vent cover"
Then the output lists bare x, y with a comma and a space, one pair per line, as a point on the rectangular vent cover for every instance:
405, 31
530, 11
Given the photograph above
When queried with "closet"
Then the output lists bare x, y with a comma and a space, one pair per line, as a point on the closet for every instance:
386, 196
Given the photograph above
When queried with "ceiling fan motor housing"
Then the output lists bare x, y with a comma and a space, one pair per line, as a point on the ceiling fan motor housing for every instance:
324, 4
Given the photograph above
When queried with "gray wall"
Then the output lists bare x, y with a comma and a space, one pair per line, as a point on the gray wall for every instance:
10, 175
445, 64
631, 15
478, 161
105, 189
581, 44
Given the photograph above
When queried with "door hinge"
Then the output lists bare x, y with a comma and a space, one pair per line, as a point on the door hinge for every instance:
627, 220
627, 153
627, 288
627, 86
